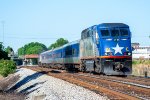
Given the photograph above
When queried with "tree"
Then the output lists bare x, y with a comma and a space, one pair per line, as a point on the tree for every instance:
58, 43
21, 51
1, 46
32, 48
3, 54
10, 51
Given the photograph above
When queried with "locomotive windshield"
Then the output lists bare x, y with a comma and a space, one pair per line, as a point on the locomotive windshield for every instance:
114, 32
105, 33
124, 32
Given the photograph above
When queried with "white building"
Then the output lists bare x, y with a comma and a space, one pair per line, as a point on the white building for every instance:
142, 52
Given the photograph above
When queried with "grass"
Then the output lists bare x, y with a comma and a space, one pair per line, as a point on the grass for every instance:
140, 67
145, 62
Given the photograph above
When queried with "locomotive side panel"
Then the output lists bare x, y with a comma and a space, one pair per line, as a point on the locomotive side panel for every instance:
89, 50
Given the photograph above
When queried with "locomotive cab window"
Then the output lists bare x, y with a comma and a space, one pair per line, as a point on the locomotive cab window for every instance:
114, 32
86, 33
105, 33
124, 32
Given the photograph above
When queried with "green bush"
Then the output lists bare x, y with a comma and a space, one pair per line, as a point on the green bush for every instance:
7, 67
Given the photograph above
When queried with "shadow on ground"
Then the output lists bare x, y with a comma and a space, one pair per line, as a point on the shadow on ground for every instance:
30, 87
28, 79
55, 71
5, 84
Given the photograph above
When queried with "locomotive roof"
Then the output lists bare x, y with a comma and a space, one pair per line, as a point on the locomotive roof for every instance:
107, 25
113, 25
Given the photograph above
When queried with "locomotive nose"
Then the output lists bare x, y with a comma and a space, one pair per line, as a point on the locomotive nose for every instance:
117, 66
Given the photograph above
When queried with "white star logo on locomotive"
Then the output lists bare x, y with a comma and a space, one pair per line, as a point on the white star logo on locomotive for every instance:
118, 49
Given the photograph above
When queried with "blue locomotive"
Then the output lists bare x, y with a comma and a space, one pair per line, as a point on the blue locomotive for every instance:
103, 48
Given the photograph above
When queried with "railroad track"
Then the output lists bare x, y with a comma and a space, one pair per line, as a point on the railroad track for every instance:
139, 78
114, 89
135, 90
120, 80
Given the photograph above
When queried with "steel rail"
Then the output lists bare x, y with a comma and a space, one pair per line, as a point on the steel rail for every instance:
128, 83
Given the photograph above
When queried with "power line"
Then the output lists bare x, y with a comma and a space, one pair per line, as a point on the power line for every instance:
33, 37
29, 38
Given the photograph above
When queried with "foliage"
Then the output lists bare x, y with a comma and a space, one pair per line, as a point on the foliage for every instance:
9, 49
7, 67
58, 43
21, 51
1, 46
136, 62
3, 54
141, 67
32, 48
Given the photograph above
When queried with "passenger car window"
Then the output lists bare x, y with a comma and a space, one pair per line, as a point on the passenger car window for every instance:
73, 51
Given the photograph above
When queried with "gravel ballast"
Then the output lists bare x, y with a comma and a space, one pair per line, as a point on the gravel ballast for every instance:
39, 86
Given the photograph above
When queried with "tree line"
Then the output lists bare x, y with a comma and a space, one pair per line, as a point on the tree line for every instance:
37, 48
8, 66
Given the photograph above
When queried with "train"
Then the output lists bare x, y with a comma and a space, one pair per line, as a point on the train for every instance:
104, 48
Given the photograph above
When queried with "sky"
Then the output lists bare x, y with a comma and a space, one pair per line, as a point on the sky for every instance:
45, 21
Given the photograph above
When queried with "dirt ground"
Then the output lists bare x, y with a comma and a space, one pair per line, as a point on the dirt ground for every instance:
5, 84
1, 77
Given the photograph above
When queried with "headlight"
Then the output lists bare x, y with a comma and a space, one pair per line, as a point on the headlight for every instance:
107, 50
108, 53
127, 53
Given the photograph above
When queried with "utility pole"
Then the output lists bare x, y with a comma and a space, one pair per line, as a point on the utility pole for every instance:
149, 52
3, 22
